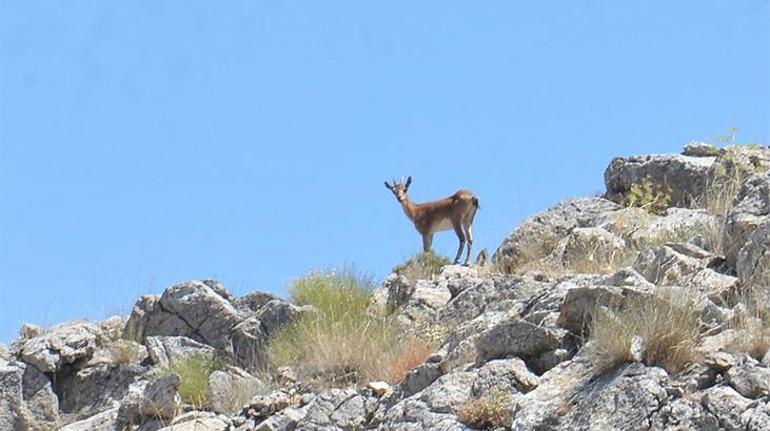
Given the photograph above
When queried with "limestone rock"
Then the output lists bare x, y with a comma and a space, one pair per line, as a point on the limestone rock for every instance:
165, 350
515, 338
539, 235
726, 405
104, 421
749, 380
27, 400
682, 177
61, 345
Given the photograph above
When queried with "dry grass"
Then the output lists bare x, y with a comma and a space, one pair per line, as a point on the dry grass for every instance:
665, 329
341, 344
407, 357
752, 322
422, 266
487, 412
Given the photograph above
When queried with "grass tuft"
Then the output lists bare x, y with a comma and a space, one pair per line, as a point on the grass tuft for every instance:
194, 372
340, 344
422, 266
665, 327
488, 412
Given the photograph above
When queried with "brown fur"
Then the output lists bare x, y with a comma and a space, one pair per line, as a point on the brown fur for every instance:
453, 212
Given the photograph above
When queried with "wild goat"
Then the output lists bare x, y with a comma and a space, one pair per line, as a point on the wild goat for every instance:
455, 212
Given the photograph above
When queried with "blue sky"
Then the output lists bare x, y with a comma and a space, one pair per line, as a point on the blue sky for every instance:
152, 142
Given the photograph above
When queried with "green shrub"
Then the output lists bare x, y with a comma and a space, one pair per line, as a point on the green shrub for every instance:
651, 197
194, 372
487, 412
422, 266
341, 344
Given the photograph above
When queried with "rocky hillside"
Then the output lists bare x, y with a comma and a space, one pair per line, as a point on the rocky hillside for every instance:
641, 309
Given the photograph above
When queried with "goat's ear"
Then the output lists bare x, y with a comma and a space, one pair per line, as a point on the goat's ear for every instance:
408, 182
388, 186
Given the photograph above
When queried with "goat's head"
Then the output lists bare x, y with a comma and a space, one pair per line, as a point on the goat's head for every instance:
399, 188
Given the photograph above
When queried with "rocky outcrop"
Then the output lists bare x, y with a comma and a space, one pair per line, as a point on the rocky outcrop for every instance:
682, 178
517, 340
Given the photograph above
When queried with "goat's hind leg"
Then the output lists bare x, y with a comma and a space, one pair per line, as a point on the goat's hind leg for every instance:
461, 236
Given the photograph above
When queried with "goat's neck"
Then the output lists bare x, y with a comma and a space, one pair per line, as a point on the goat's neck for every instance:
410, 208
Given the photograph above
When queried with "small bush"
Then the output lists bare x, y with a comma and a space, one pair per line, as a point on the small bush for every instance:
422, 266
487, 412
651, 197
194, 372
341, 344
665, 327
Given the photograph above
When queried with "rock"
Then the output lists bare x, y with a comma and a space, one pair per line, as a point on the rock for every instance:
165, 350
419, 379
27, 400
668, 266
112, 327
756, 418
205, 309
753, 259
726, 405
588, 250
749, 380
515, 338
509, 375
539, 235
150, 400
148, 318
61, 345
337, 409
95, 389
263, 406
684, 415
249, 345
286, 420
277, 314
701, 149
104, 421
415, 301
231, 388
29, 330
683, 178
509, 293
580, 302
380, 388
118, 352
751, 209
197, 421
254, 301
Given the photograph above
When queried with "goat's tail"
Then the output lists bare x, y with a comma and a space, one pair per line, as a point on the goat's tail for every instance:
476, 202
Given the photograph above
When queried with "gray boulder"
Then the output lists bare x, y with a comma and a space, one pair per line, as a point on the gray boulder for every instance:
104, 421
516, 338
726, 405
753, 262
683, 414
198, 421
751, 209
539, 235
624, 399
278, 314
165, 350
61, 345
683, 178
146, 401
206, 310
231, 388
749, 380
27, 400
338, 409
95, 389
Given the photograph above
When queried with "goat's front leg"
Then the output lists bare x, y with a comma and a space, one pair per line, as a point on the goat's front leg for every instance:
427, 242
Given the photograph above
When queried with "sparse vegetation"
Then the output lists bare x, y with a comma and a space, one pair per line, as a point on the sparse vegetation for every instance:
408, 356
422, 266
487, 412
665, 328
341, 344
194, 372
653, 198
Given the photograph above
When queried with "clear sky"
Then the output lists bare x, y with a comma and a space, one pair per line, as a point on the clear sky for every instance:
152, 142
